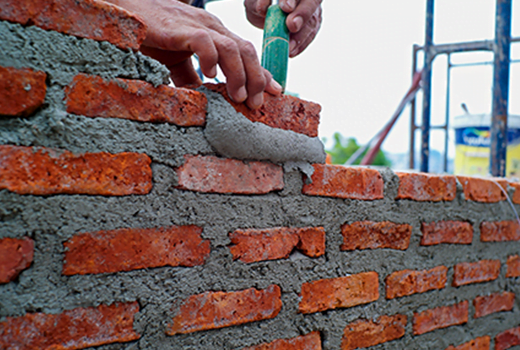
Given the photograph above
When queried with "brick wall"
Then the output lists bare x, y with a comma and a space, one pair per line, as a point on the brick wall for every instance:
121, 227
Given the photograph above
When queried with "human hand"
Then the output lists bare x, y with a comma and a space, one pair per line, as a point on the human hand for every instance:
303, 20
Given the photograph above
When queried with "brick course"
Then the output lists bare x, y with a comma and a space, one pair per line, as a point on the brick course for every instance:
453, 232
408, 282
364, 333
483, 190
311, 341
440, 317
477, 272
22, 91
499, 231
482, 343
16, 255
497, 302
426, 187
373, 235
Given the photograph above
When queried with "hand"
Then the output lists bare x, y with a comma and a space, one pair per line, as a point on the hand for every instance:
303, 20
175, 31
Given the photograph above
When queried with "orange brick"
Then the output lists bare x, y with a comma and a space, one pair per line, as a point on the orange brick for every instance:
22, 91
516, 195
90, 19
454, 232
372, 235
223, 175
15, 256
131, 249
513, 266
92, 96
477, 272
311, 341
341, 292
440, 317
345, 182
212, 310
276, 243
500, 231
408, 282
282, 111
43, 171
507, 339
482, 343
496, 302
362, 333
426, 187
73, 329
483, 190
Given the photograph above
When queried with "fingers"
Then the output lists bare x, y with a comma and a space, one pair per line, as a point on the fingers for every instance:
184, 75
300, 40
272, 85
256, 11
301, 14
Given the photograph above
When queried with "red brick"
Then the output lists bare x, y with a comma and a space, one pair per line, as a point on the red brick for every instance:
90, 19
500, 231
516, 195
212, 310
276, 243
43, 171
454, 232
22, 91
15, 256
507, 339
440, 317
92, 96
362, 333
426, 188
345, 182
513, 266
311, 341
483, 190
408, 282
496, 302
73, 329
477, 272
282, 111
223, 175
482, 343
373, 235
136, 248
341, 292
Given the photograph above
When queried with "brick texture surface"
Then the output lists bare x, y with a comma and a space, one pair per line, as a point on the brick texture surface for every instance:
363, 334
283, 112
341, 292
131, 249
426, 187
22, 91
213, 310
408, 282
92, 96
345, 182
16, 255
373, 235
276, 243
483, 190
507, 339
516, 194
441, 317
73, 329
454, 232
482, 343
513, 266
311, 341
92, 19
222, 175
42, 171
497, 302
499, 231
477, 272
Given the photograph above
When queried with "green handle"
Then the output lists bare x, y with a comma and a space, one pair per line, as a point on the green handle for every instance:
275, 51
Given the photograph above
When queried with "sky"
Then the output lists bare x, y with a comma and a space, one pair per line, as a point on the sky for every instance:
359, 66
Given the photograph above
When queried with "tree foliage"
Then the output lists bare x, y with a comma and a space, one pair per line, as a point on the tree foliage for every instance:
344, 147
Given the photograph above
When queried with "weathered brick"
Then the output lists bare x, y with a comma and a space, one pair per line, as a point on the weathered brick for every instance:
90, 19
454, 232
345, 182
311, 341
440, 317
282, 111
477, 272
497, 302
482, 343
15, 256
72, 329
223, 175
43, 171
513, 266
213, 310
93, 96
426, 187
507, 339
373, 235
516, 194
408, 282
276, 243
363, 333
135, 248
341, 292
22, 91
483, 190
500, 231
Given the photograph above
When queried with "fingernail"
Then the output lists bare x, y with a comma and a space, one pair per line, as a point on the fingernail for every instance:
213, 72
258, 100
276, 86
298, 23
292, 45
241, 94
290, 4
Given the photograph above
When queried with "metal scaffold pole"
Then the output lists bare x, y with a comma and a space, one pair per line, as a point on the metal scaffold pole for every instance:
426, 86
